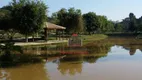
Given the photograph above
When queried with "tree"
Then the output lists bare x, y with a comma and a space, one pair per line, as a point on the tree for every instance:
71, 19
54, 18
4, 19
91, 22
132, 23
110, 26
6, 22
125, 24
29, 16
140, 24
75, 20
102, 22
119, 27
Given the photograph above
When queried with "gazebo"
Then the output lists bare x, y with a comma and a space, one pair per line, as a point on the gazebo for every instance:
50, 26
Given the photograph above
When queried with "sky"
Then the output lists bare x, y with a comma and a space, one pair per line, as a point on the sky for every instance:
115, 10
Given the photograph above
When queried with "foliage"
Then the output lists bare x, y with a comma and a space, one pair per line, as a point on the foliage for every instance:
29, 16
118, 27
110, 26
139, 24
6, 51
97, 23
74, 61
6, 22
71, 19
132, 23
91, 22
102, 23
8, 48
129, 24
9, 56
4, 19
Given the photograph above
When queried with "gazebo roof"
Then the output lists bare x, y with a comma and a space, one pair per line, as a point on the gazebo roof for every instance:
49, 25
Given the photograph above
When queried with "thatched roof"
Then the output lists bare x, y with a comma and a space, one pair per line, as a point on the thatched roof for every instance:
53, 26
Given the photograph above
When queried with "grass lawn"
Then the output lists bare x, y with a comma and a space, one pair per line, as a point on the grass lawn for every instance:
89, 38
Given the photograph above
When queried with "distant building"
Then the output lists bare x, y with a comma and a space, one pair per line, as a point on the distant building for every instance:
50, 26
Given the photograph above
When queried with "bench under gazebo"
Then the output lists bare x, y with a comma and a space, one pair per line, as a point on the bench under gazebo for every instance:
50, 26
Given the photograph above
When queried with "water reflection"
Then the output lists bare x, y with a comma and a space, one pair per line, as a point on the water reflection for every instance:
29, 72
70, 68
73, 63
109, 59
102, 46
132, 48
4, 75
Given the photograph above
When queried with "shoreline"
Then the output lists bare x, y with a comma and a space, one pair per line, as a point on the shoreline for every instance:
39, 43
85, 39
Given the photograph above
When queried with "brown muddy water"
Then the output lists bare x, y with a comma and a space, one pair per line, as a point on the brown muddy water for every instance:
109, 59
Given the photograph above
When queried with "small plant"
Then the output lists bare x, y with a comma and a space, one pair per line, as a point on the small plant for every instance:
6, 51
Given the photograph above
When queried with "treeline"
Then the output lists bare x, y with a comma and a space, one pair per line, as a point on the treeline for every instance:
91, 23
75, 21
27, 17
129, 24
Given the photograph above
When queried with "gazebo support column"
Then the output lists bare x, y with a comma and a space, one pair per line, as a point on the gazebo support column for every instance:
62, 34
59, 35
50, 26
56, 34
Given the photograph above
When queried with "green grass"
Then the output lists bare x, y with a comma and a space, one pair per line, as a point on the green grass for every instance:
85, 38
94, 37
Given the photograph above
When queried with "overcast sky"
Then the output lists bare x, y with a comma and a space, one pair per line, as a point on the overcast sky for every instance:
113, 9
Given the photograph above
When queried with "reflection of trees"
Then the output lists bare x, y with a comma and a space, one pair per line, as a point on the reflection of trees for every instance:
4, 75
98, 48
96, 51
132, 48
132, 51
70, 68
72, 64
31, 72
130, 44
92, 58
42, 50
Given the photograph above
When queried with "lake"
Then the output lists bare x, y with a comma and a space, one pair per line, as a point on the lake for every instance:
109, 59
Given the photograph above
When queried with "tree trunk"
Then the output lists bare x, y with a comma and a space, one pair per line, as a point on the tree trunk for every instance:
33, 38
11, 38
26, 37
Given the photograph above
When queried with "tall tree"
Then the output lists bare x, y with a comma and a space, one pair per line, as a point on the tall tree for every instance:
102, 22
132, 23
29, 16
91, 22
54, 18
4, 19
110, 26
6, 22
71, 19
118, 27
140, 24
125, 24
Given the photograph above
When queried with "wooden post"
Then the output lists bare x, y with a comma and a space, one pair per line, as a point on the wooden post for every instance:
56, 34
62, 34
59, 35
